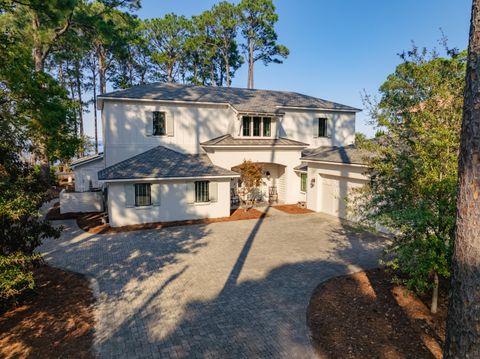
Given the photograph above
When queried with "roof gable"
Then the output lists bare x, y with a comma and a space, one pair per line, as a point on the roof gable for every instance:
347, 155
228, 140
161, 162
243, 100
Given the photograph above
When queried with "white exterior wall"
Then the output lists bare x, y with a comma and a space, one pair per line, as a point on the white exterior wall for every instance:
289, 188
125, 127
173, 205
299, 126
86, 173
80, 202
328, 184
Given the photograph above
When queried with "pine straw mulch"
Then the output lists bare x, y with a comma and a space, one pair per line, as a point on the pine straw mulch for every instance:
292, 209
54, 321
364, 315
92, 222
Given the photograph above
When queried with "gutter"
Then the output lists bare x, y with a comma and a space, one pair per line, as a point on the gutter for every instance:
86, 161
164, 179
354, 110
254, 147
101, 99
332, 162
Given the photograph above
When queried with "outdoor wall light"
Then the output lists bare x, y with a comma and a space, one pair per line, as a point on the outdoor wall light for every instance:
268, 175
312, 183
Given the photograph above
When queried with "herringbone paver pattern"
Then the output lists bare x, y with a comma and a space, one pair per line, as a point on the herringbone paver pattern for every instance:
225, 290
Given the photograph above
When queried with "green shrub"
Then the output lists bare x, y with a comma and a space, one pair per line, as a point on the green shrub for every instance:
16, 276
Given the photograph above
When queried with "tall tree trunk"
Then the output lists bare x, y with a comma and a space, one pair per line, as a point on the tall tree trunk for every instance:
60, 74
250, 63
169, 73
434, 306
102, 70
94, 85
227, 70
39, 60
463, 323
72, 91
212, 74
80, 105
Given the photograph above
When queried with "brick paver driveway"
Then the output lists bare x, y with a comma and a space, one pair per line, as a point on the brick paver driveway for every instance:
225, 290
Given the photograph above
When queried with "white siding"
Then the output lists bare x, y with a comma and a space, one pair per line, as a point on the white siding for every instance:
299, 126
81, 202
87, 173
332, 183
125, 127
173, 206
289, 158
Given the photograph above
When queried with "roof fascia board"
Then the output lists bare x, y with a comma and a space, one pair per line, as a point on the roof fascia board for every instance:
73, 165
254, 147
354, 110
205, 103
332, 162
163, 179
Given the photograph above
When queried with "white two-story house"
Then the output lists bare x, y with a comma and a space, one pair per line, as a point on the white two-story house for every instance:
171, 150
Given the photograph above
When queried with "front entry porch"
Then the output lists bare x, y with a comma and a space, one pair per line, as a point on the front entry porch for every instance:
271, 189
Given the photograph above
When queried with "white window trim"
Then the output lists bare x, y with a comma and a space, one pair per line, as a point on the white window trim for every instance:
272, 119
327, 127
203, 202
165, 125
306, 182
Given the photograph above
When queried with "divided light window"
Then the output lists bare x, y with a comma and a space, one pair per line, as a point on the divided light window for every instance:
303, 182
322, 127
159, 125
267, 125
246, 125
143, 194
201, 191
256, 126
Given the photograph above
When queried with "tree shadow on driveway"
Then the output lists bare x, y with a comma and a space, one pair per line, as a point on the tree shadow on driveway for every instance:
217, 291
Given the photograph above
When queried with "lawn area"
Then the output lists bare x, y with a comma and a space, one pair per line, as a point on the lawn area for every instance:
55, 321
365, 315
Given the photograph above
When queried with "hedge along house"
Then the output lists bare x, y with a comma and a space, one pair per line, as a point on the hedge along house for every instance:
171, 150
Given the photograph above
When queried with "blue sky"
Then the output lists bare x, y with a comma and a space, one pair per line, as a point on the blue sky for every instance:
340, 48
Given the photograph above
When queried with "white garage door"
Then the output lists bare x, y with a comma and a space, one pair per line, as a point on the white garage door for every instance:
334, 190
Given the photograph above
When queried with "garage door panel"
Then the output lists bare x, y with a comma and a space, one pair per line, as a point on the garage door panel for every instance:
334, 191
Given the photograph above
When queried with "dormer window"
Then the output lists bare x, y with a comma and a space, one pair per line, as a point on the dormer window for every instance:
256, 126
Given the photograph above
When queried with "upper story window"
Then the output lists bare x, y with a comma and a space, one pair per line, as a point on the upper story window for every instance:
159, 125
143, 194
323, 127
246, 126
267, 125
256, 126
257, 121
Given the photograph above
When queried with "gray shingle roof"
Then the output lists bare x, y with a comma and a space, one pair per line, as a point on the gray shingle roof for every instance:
87, 159
162, 162
243, 100
228, 140
348, 154
301, 168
